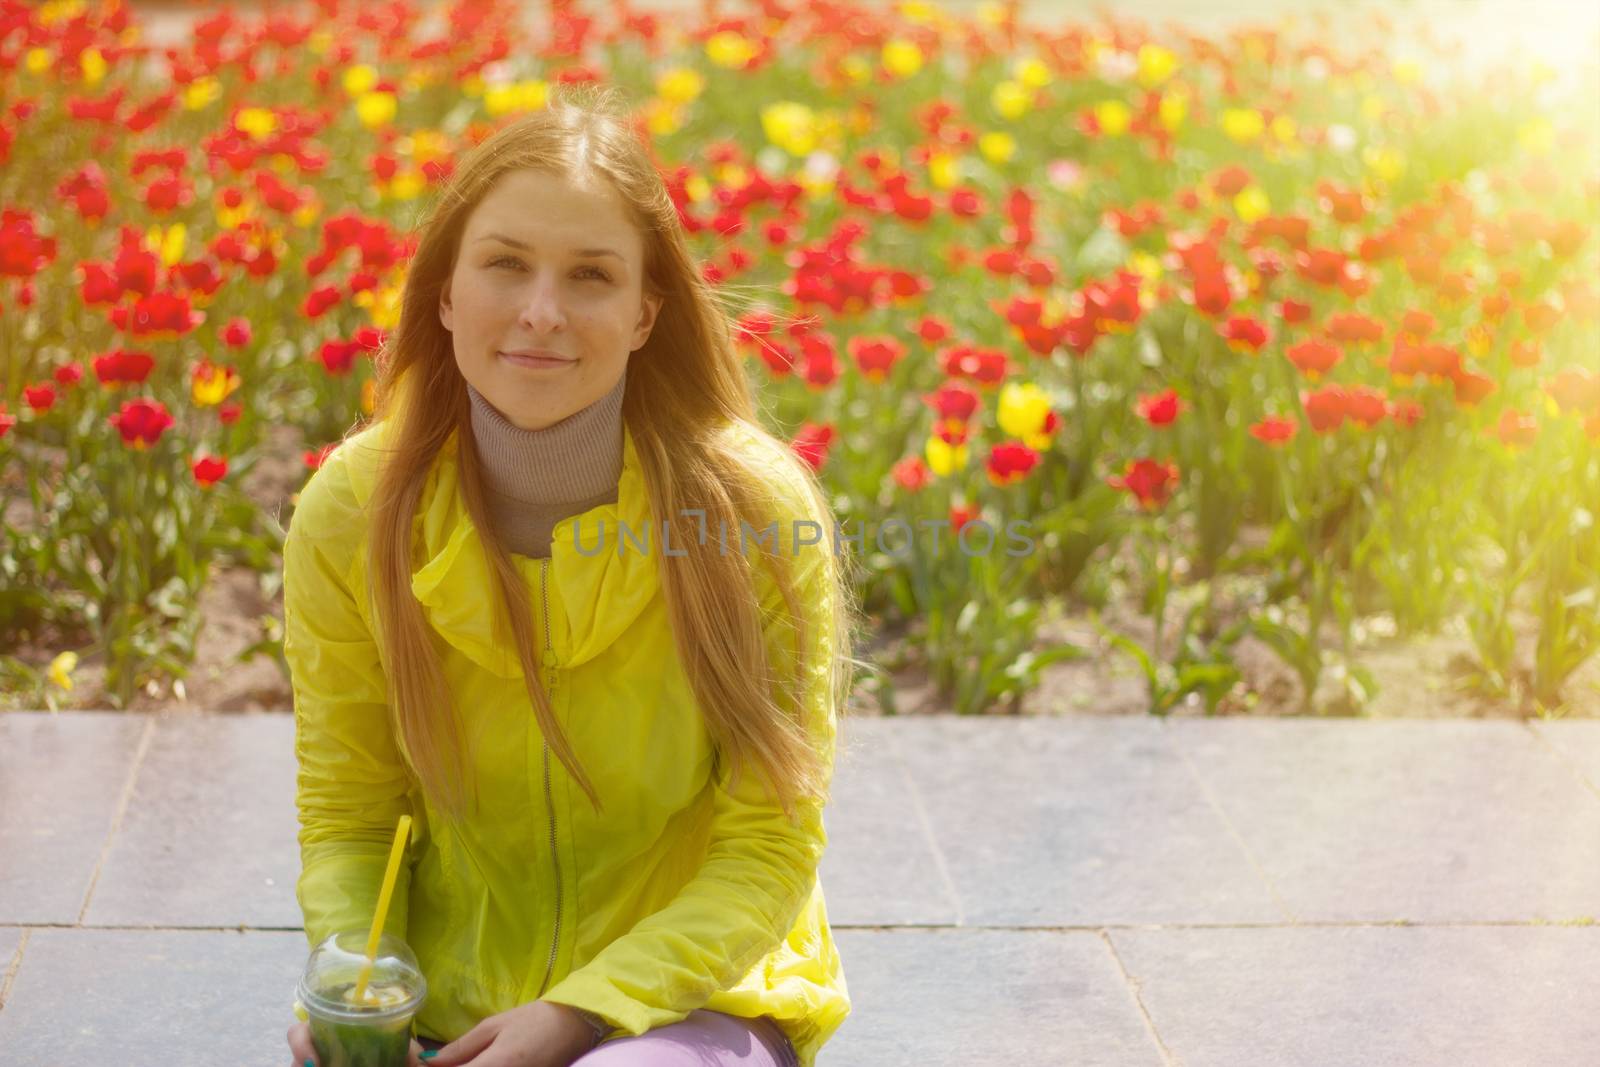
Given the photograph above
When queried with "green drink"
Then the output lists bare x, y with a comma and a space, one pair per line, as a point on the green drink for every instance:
374, 1030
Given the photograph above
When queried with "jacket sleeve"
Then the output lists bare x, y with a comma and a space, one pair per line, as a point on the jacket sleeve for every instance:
758, 871
351, 787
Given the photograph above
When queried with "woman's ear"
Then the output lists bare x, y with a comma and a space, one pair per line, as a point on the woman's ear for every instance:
446, 316
651, 307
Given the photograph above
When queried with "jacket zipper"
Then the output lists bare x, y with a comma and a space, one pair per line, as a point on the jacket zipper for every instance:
555, 856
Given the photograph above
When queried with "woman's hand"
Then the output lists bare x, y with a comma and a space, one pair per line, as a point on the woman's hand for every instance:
540, 1034
304, 1053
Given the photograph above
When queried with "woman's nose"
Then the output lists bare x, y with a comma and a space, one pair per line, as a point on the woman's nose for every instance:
542, 307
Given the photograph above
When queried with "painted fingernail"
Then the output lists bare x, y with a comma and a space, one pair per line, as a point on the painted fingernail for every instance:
310, 1064
430, 1054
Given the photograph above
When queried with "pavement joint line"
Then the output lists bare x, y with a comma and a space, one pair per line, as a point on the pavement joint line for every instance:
927, 828
1233, 831
122, 809
1135, 989
1583, 779
12, 967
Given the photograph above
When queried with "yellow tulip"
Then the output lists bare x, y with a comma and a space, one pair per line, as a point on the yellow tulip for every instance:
1242, 124
1113, 117
791, 126
1156, 65
1283, 128
61, 669
1385, 163
37, 61
168, 245
1372, 107
901, 58
1173, 109
728, 49
320, 42
698, 188
201, 92
255, 122
942, 170
385, 307
93, 65
1145, 265
358, 80
1251, 204
407, 184
1010, 100
662, 118
1023, 408
1032, 73
997, 146
1406, 71
856, 69
917, 11
375, 109
209, 389
680, 85
943, 458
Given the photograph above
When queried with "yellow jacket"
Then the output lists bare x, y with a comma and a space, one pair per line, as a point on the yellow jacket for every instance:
683, 895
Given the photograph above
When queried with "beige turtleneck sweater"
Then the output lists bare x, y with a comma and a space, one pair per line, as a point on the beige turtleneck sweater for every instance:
535, 478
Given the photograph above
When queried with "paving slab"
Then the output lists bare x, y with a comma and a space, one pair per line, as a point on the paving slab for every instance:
10, 942
965, 998
209, 835
1485, 996
1076, 822
162, 998
61, 779
875, 824
1404, 820
1577, 743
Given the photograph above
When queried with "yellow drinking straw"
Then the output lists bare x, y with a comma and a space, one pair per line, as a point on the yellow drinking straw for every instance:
395, 850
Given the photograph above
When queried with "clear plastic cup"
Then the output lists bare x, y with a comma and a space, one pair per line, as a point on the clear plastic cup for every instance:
373, 1032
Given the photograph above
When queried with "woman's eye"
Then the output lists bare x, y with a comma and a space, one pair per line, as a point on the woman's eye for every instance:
592, 271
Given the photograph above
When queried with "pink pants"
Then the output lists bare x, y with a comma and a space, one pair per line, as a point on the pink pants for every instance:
704, 1039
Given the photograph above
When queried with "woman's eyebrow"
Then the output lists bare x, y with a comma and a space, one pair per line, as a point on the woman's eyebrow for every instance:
514, 243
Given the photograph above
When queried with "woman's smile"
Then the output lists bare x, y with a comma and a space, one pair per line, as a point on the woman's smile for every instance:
536, 362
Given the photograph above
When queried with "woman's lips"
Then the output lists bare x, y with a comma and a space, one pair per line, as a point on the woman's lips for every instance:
535, 362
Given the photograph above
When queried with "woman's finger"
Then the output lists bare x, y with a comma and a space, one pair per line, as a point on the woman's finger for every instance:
300, 1045
414, 1057
467, 1045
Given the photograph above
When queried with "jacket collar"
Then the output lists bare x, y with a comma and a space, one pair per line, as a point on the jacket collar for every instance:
592, 598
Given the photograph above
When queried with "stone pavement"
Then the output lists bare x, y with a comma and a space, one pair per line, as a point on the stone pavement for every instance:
1036, 891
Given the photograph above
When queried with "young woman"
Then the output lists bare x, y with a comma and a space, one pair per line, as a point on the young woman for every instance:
565, 534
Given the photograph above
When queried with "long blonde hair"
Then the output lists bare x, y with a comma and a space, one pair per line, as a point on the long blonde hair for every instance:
686, 386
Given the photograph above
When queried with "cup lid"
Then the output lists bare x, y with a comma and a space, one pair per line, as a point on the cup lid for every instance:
396, 985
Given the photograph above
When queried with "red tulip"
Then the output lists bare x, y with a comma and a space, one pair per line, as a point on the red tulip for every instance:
1010, 463
1151, 482
1274, 430
1515, 429
41, 397
1159, 409
1314, 358
812, 442
1325, 408
911, 473
208, 470
141, 422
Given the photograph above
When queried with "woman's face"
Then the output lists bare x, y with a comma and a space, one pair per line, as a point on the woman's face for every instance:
546, 266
